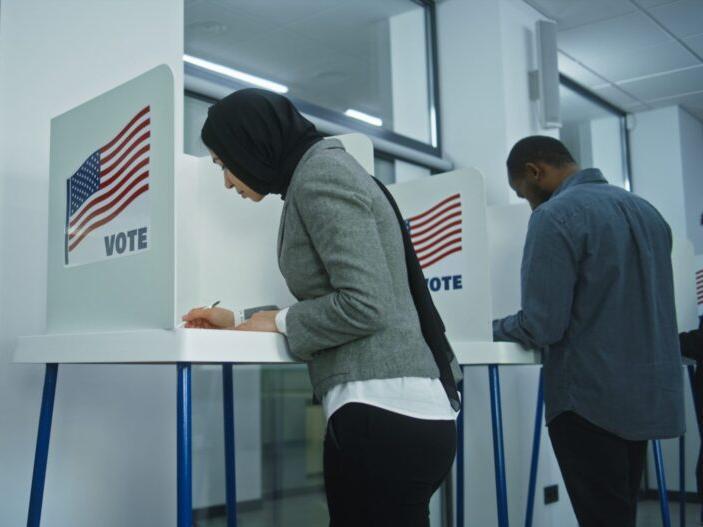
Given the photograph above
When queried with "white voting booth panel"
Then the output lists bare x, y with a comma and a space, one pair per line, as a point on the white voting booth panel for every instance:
683, 259
220, 247
110, 258
446, 216
507, 229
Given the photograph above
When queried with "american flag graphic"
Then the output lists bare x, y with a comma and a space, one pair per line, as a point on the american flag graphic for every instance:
108, 181
699, 286
436, 232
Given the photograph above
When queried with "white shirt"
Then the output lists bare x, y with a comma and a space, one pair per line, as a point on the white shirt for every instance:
418, 397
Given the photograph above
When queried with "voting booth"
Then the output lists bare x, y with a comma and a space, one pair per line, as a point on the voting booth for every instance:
140, 233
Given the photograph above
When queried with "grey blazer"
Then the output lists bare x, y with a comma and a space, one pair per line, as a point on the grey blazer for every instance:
341, 253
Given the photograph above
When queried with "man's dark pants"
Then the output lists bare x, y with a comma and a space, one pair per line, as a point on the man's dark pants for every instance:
602, 472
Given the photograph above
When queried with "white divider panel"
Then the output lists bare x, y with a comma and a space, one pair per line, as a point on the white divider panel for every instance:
507, 229
447, 219
361, 147
683, 261
227, 245
111, 241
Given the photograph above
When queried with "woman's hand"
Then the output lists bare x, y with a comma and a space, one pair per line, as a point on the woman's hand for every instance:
260, 321
209, 318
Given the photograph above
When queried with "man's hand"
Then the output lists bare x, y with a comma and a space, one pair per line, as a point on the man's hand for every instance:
260, 321
209, 318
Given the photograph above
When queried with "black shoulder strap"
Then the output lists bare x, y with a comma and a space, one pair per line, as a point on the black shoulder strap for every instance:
433, 329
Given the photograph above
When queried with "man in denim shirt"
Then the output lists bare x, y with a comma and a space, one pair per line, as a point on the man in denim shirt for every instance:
598, 300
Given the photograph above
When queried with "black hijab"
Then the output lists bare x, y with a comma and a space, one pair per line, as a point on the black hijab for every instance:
260, 137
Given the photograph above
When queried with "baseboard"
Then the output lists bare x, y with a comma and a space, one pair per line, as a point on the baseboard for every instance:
673, 495
220, 511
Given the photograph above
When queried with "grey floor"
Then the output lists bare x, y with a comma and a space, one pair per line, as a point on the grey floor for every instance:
649, 514
307, 511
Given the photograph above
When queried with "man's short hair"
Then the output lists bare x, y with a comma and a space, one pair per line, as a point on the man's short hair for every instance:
537, 148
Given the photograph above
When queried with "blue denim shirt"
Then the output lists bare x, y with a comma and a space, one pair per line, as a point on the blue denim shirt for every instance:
598, 299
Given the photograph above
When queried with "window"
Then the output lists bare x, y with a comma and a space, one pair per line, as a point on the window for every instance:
365, 65
387, 168
594, 131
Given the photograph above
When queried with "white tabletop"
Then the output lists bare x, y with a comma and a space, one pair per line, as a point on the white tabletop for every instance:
210, 346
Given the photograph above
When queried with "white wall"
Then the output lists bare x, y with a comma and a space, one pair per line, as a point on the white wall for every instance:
408, 74
691, 130
657, 173
103, 468
486, 49
607, 148
666, 153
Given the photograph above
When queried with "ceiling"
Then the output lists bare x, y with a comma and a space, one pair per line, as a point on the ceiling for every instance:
334, 53
637, 54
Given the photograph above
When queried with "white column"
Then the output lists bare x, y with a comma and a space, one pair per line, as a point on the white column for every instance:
409, 84
657, 171
112, 456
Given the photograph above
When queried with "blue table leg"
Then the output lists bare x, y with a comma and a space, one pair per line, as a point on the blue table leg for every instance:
230, 462
536, 440
498, 448
682, 481
460, 469
41, 453
661, 483
691, 371
184, 447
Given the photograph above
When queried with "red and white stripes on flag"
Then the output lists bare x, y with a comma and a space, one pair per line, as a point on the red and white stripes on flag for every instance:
699, 286
110, 179
436, 232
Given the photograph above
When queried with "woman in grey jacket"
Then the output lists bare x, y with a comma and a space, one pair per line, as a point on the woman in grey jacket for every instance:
391, 434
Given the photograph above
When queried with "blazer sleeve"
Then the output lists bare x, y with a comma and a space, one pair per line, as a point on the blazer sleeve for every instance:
337, 213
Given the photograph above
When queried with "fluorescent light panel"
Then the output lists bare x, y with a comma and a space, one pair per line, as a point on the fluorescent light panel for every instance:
361, 116
235, 74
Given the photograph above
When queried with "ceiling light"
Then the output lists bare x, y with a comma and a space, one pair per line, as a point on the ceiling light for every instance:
235, 74
361, 116
209, 27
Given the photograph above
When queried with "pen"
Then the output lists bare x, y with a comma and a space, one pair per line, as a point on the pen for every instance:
209, 307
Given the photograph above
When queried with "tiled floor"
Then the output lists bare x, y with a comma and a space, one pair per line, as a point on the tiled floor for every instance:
311, 511
649, 514
303, 511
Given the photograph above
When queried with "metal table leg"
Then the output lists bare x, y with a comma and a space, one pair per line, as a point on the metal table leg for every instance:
460, 469
184, 447
498, 448
230, 462
41, 453
536, 440
661, 483
682, 481
696, 404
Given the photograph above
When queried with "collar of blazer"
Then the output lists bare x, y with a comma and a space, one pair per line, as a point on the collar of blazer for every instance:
326, 144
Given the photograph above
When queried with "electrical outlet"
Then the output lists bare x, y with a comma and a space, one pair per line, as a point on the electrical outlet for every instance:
551, 494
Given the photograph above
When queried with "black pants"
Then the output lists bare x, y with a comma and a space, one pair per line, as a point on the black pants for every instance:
602, 472
381, 468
